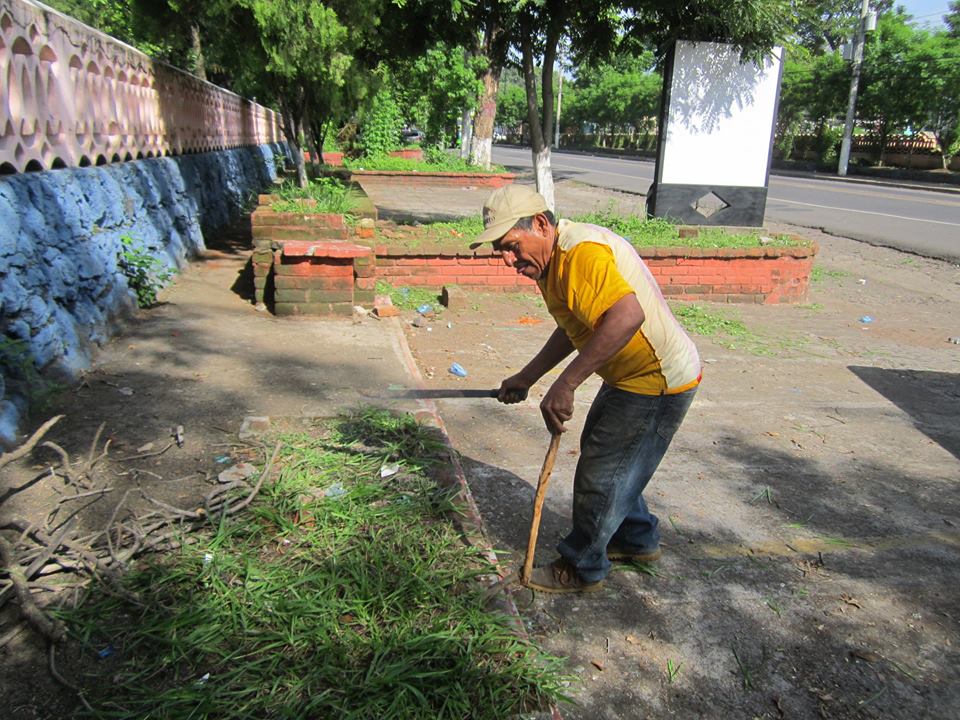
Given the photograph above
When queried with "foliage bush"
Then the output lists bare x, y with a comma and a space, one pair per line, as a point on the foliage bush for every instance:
380, 131
146, 275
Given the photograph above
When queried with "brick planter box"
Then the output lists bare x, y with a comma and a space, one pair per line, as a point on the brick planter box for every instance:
408, 154
333, 158
302, 261
755, 275
322, 278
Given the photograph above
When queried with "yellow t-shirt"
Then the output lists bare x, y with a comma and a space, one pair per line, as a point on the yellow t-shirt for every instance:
591, 268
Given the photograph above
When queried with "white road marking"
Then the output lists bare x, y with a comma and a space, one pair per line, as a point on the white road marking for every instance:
865, 212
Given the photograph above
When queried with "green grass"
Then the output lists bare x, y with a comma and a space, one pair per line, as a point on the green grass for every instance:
337, 594
410, 298
660, 232
434, 162
655, 232
329, 195
819, 274
725, 330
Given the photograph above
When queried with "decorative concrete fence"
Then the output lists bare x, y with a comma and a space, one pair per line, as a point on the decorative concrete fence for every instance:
71, 96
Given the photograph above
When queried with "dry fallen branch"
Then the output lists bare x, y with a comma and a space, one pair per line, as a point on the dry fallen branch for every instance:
27, 447
52, 629
34, 566
101, 491
147, 455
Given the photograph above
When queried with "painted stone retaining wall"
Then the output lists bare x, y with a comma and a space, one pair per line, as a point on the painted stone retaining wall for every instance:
61, 289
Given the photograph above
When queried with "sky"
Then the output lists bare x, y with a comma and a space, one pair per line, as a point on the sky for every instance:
926, 12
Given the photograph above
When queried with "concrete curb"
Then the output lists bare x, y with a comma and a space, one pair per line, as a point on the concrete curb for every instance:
903, 185
474, 530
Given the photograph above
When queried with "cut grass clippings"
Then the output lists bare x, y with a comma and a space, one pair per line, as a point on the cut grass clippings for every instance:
339, 594
724, 330
410, 298
728, 331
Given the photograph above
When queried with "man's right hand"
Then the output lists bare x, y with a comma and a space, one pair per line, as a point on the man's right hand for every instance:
514, 389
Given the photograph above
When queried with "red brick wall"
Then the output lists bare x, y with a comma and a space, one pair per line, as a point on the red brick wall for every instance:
760, 275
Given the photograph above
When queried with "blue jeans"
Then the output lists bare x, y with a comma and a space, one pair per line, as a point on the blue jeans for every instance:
624, 438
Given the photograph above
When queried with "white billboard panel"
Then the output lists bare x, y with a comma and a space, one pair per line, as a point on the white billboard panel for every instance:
720, 117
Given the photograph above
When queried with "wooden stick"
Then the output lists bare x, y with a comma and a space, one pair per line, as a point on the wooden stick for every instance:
542, 482
7, 458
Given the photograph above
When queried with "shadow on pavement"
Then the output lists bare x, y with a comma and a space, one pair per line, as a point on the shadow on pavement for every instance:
931, 399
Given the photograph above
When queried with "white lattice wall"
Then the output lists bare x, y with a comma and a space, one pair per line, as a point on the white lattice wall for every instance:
72, 96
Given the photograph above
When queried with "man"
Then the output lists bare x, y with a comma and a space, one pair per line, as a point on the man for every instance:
609, 308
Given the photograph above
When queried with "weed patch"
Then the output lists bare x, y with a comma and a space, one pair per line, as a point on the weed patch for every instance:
433, 162
660, 232
340, 594
322, 195
146, 275
653, 232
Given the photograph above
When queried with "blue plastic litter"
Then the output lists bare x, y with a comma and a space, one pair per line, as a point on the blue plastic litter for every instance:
458, 370
425, 308
335, 490
106, 652
866, 319
222, 459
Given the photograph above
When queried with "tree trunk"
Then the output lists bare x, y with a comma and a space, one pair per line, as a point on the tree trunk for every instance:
199, 64
538, 147
292, 125
466, 134
481, 145
494, 48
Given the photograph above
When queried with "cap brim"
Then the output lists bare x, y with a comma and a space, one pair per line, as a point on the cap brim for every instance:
493, 233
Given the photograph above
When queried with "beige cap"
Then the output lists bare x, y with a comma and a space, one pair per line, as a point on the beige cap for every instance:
504, 207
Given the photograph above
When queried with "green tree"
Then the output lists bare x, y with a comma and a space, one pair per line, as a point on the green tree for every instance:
936, 63
594, 26
823, 25
813, 93
435, 87
511, 106
952, 19
623, 94
889, 99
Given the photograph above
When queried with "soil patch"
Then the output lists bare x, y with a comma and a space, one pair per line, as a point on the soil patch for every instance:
808, 504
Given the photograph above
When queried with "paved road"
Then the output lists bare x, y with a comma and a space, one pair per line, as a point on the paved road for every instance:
920, 221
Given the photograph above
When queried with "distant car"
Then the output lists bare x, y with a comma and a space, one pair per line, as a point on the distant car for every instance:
411, 135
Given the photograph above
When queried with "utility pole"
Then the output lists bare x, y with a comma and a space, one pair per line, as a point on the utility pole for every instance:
556, 132
854, 86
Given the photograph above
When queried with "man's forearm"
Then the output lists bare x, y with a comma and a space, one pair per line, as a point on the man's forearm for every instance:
555, 349
619, 324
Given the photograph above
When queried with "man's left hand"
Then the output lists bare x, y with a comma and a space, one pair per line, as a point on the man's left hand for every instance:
557, 406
